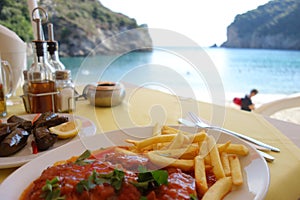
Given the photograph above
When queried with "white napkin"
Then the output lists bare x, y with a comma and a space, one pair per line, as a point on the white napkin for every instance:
13, 50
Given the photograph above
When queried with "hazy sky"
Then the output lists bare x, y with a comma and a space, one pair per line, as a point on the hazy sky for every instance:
204, 21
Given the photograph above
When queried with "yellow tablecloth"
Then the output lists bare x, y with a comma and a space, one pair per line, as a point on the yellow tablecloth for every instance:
143, 107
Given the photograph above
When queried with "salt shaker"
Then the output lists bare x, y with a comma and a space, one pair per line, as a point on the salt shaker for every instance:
65, 98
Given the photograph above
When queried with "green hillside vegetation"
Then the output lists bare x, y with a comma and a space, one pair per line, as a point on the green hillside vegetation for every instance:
15, 16
278, 16
79, 26
276, 22
87, 15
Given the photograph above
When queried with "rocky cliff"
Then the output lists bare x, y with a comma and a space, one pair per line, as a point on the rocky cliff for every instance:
81, 27
274, 25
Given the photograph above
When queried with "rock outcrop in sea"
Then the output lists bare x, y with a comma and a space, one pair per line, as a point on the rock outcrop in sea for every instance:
274, 25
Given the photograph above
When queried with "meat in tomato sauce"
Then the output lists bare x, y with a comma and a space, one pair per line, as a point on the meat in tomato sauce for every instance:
100, 179
180, 186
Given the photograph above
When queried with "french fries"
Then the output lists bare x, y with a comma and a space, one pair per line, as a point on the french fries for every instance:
140, 144
189, 152
200, 175
225, 163
238, 149
223, 147
178, 140
163, 161
197, 152
236, 173
219, 189
170, 130
215, 158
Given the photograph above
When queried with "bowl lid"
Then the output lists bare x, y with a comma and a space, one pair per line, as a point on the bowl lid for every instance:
106, 85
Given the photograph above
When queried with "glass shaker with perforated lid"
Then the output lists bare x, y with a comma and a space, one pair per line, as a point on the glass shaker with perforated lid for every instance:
65, 98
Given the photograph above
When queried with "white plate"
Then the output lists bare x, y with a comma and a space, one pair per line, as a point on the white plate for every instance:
255, 169
24, 155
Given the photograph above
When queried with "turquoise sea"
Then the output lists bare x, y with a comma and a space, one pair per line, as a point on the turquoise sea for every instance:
196, 71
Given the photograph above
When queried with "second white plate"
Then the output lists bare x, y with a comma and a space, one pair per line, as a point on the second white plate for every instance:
25, 155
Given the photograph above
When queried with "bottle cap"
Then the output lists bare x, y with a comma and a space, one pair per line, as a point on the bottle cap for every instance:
62, 74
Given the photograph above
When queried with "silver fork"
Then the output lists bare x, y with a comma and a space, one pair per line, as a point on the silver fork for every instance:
202, 124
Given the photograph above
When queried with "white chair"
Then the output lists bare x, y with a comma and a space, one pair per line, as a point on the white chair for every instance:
270, 108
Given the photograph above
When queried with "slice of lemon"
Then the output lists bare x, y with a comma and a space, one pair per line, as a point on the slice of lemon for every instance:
67, 130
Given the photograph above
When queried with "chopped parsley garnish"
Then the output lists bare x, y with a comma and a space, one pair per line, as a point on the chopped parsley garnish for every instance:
117, 179
146, 181
114, 178
149, 180
193, 197
87, 184
82, 159
51, 190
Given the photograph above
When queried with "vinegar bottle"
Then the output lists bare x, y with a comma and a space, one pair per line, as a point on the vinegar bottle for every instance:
41, 85
53, 50
41, 81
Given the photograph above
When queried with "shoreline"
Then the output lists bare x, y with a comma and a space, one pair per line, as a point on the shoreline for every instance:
291, 115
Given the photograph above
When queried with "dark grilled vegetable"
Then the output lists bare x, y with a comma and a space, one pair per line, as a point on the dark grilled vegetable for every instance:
4, 131
14, 142
56, 121
43, 118
14, 133
22, 123
49, 119
44, 138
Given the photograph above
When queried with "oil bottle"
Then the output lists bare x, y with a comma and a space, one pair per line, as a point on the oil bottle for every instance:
41, 82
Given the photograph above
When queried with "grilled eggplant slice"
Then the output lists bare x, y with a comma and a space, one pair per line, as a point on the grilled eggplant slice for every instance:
13, 142
4, 131
44, 138
44, 118
22, 123
56, 121
49, 119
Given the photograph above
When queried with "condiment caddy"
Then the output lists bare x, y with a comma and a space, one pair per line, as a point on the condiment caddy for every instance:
47, 85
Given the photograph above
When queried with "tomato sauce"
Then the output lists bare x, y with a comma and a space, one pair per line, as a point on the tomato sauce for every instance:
180, 184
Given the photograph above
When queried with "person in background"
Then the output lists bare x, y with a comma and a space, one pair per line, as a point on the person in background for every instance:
246, 103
